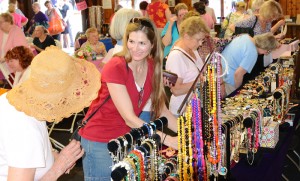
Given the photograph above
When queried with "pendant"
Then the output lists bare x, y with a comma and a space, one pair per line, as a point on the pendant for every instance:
223, 171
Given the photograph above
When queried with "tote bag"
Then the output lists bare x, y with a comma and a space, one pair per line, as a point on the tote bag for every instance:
56, 24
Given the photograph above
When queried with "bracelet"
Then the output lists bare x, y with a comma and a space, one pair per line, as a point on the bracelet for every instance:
164, 138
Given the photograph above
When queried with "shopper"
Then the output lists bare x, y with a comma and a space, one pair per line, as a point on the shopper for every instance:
65, 10
130, 78
234, 17
241, 60
262, 22
143, 8
96, 47
200, 8
184, 59
52, 92
19, 20
39, 18
53, 14
18, 60
209, 10
41, 39
10, 37
170, 33
117, 29
159, 12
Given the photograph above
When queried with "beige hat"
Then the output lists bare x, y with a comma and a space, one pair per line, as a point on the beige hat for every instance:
59, 86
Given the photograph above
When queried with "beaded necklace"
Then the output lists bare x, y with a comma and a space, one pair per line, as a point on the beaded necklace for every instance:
214, 153
180, 147
198, 139
189, 141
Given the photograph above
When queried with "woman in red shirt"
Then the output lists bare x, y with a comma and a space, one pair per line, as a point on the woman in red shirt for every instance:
129, 79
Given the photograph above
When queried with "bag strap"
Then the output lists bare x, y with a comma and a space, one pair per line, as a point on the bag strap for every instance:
228, 21
187, 57
84, 122
254, 22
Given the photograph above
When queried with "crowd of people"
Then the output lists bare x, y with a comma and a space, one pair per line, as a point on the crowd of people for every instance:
131, 88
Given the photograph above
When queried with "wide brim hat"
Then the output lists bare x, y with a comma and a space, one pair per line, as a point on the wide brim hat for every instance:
59, 86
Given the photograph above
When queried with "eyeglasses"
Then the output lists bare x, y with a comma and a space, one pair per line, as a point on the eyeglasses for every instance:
141, 95
142, 22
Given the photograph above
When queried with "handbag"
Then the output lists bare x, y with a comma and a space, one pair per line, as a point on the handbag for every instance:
223, 30
56, 24
82, 123
248, 30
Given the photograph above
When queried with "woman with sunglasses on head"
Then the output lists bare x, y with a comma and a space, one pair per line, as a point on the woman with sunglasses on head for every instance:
129, 79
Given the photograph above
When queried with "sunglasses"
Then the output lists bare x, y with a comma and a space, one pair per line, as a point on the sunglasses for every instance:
142, 22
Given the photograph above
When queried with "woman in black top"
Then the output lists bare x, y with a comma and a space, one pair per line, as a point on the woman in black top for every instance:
41, 39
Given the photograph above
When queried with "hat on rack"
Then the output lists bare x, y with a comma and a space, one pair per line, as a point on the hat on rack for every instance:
59, 86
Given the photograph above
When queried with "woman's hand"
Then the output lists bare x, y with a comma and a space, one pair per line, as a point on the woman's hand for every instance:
167, 83
68, 156
32, 46
171, 142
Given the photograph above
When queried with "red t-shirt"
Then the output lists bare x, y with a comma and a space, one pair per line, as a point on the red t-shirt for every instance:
156, 12
107, 123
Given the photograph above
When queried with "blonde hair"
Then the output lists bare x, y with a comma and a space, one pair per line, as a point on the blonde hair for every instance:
179, 7
240, 6
90, 30
158, 94
266, 41
256, 4
192, 26
120, 21
270, 10
190, 14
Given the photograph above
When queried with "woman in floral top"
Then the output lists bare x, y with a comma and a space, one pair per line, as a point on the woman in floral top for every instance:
269, 11
93, 45
159, 12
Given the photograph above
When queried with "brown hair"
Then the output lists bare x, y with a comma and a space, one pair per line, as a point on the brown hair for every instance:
47, 2
158, 94
7, 18
21, 53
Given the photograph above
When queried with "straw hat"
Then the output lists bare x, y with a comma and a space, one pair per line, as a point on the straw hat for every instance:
59, 86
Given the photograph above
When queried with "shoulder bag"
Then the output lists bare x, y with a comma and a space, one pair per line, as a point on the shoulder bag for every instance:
56, 24
223, 30
82, 123
248, 30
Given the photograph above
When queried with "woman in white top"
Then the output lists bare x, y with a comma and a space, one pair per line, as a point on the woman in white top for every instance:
184, 59
53, 91
18, 60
